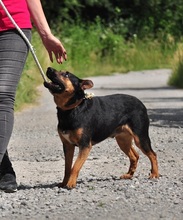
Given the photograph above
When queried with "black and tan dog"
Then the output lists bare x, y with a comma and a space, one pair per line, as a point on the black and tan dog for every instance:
85, 122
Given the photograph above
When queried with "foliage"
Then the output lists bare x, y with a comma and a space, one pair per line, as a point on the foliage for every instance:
127, 17
176, 79
97, 50
105, 36
91, 49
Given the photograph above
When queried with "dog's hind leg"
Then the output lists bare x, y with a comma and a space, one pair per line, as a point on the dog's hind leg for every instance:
124, 141
144, 144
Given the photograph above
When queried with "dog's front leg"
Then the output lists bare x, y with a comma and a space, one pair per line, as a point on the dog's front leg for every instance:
69, 154
82, 156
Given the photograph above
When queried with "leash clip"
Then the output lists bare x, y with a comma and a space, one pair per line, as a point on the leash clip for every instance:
89, 95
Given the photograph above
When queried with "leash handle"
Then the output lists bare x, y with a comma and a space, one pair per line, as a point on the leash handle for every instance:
26, 40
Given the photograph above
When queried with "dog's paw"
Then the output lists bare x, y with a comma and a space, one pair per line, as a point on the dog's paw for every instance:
153, 176
66, 185
70, 185
126, 176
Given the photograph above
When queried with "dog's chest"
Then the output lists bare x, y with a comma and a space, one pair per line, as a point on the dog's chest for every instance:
72, 136
66, 135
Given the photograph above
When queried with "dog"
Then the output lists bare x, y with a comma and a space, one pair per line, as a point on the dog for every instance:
84, 122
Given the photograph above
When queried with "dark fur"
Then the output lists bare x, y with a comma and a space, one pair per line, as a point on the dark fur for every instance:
84, 122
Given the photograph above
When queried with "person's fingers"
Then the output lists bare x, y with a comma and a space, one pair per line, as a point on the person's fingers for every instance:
50, 55
60, 55
64, 55
57, 49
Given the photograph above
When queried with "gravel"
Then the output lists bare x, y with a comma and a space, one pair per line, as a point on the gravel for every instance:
37, 157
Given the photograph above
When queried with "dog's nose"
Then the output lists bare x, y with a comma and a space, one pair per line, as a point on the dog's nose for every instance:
50, 70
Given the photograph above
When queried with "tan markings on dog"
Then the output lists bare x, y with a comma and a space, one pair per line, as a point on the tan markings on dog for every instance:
120, 129
71, 173
154, 164
81, 158
69, 154
73, 137
124, 139
62, 99
152, 157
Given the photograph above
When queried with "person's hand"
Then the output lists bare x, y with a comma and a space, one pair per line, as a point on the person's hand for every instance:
54, 46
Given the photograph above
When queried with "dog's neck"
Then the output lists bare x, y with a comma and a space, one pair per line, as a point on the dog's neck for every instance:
74, 102
71, 106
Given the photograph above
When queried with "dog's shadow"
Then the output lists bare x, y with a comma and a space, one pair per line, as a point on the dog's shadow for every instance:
55, 185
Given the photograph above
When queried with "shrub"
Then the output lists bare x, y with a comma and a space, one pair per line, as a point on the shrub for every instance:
176, 79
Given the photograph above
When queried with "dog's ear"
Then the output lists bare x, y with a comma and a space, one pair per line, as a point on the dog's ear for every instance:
86, 84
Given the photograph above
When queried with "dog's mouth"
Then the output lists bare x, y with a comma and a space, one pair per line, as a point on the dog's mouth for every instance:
55, 85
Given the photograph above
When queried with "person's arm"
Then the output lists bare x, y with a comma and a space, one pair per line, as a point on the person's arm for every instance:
51, 43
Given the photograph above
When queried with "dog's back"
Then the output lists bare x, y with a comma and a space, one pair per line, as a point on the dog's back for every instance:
100, 116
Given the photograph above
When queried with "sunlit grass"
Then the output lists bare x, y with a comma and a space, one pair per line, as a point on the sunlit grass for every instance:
94, 50
176, 79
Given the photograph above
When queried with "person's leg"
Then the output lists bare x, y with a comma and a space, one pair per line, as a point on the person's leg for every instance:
6, 165
13, 54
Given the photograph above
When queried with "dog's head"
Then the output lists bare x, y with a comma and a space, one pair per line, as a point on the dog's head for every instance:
67, 89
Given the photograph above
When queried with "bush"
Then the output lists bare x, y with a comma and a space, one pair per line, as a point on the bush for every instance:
96, 50
92, 49
176, 79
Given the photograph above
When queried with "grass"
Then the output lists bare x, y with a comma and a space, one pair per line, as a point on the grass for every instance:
176, 79
94, 50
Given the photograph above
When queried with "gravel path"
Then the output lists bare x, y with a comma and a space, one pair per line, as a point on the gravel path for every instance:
37, 157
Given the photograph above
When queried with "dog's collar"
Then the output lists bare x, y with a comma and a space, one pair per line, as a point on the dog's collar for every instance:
78, 102
74, 105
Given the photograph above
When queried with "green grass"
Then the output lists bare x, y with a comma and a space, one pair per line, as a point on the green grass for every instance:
176, 79
94, 50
